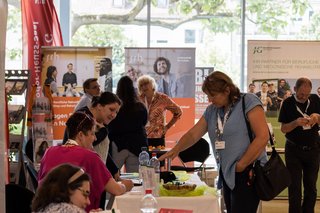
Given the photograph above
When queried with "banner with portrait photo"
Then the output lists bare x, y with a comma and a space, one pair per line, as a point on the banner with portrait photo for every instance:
173, 70
73, 66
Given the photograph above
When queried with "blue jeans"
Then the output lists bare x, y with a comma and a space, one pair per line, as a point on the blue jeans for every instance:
303, 164
243, 198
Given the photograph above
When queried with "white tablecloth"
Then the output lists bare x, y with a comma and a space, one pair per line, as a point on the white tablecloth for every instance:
130, 202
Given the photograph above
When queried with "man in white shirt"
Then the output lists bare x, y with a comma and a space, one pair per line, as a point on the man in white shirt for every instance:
91, 88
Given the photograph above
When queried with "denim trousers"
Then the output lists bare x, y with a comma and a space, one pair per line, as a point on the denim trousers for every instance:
303, 165
243, 198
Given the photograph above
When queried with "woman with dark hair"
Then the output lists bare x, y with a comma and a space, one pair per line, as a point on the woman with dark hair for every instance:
78, 150
104, 109
63, 193
41, 150
52, 80
225, 123
127, 131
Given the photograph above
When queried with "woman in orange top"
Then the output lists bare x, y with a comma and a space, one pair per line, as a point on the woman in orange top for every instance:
157, 104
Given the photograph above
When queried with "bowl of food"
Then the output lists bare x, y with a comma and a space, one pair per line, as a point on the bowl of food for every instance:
179, 187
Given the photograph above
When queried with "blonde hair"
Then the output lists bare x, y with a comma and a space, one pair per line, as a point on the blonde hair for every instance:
146, 79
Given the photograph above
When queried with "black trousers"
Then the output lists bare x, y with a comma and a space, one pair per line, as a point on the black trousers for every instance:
243, 198
303, 165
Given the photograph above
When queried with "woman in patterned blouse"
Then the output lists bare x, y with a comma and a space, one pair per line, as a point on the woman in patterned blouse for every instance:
157, 104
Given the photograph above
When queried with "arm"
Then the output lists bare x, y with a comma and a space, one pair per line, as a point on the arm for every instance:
188, 139
175, 110
260, 129
118, 188
288, 127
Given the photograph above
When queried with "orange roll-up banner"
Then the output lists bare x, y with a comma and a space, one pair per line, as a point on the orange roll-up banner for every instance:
40, 27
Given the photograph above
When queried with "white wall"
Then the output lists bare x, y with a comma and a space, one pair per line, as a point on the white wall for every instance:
3, 123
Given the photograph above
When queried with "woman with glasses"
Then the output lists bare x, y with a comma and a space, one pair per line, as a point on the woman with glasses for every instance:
225, 123
66, 188
78, 151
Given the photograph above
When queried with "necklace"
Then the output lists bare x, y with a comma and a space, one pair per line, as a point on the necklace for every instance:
71, 142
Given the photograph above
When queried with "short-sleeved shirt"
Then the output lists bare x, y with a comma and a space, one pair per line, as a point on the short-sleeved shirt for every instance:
289, 113
84, 158
235, 135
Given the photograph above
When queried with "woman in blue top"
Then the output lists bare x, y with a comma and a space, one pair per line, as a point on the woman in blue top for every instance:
225, 124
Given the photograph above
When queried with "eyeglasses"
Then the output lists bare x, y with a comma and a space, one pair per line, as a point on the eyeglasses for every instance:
85, 193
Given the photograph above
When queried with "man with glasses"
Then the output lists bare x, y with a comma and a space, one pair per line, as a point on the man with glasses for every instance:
91, 88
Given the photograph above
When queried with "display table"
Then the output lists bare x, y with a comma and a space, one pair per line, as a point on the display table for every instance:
130, 202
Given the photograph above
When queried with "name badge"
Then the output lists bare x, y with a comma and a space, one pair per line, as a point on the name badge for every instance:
220, 144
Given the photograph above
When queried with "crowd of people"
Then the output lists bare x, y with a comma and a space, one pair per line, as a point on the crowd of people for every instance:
107, 131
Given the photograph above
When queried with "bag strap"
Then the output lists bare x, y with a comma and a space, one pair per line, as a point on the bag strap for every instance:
249, 128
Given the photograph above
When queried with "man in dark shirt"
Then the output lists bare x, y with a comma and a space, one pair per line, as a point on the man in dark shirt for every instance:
299, 118
69, 79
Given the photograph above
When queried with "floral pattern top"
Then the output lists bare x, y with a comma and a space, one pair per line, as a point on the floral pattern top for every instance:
62, 208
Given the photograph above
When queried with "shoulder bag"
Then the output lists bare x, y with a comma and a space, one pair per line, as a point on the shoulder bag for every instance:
273, 177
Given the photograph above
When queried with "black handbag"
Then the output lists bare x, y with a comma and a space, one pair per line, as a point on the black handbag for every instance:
272, 178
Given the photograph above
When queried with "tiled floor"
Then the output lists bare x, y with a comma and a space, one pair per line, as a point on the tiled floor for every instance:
281, 206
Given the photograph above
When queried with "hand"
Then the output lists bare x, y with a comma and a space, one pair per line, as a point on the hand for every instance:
239, 167
313, 119
128, 184
171, 154
96, 210
301, 121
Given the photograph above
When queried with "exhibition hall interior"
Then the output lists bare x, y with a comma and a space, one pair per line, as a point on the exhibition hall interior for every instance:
186, 106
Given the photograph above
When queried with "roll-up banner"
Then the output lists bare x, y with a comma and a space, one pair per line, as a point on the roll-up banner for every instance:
40, 27
181, 87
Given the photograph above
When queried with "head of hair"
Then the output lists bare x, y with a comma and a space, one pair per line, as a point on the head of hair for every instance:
126, 92
105, 98
146, 79
50, 71
264, 82
252, 84
155, 65
79, 122
86, 84
70, 64
219, 82
303, 81
55, 187
42, 148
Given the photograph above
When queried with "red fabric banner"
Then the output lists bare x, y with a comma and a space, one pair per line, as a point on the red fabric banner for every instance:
40, 27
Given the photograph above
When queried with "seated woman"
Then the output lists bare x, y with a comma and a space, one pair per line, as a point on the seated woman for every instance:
78, 150
63, 193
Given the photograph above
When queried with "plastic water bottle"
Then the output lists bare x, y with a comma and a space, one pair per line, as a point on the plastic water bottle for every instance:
143, 160
155, 164
148, 203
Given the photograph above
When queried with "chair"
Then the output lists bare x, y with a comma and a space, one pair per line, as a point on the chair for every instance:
18, 199
198, 152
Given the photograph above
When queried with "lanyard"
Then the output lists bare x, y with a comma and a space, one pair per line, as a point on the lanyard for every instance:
220, 124
305, 111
